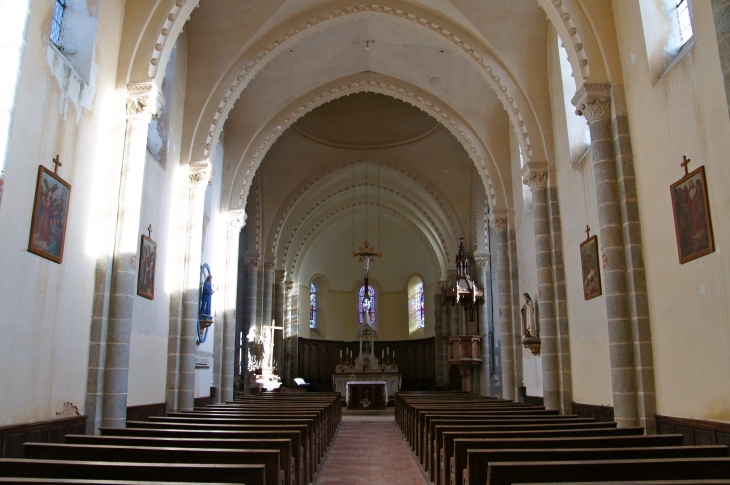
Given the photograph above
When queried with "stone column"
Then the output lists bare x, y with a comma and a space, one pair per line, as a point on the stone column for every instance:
482, 266
252, 269
561, 304
144, 102
236, 221
287, 374
199, 178
294, 315
279, 354
498, 222
721, 13
535, 176
516, 314
594, 102
440, 335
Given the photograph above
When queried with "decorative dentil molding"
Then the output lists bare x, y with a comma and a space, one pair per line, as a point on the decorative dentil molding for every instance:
593, 100
535, 175
200, 174
236, 220
575, 38
144, 101
251, 263
498, 220
270, 265
172, 18
482, 262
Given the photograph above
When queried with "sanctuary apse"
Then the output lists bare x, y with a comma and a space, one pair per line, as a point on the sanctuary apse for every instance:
265, 141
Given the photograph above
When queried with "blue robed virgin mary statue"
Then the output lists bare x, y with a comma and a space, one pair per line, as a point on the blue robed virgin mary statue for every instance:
205, 305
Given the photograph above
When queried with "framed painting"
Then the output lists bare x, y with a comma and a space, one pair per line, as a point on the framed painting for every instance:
50, 216
589, 262
147, 267
692, 216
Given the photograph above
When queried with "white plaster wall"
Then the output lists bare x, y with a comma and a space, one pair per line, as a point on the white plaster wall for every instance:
328, 256
591, 366
684, 113
45, 308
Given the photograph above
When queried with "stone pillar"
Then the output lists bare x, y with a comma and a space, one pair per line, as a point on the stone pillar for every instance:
440, 335
279, 276
287, 377
594, 102
721, 13
561, 304
446, 329
482, 266
144, 102
516, 314
236, 221
535, 176
252, 270
199, 178
294, 313
498, 222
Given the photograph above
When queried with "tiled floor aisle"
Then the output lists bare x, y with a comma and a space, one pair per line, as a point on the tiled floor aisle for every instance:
369, 450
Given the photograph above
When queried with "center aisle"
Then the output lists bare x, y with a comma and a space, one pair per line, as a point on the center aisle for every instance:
369, 449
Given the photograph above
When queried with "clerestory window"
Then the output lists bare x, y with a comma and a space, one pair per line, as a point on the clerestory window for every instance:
59, 8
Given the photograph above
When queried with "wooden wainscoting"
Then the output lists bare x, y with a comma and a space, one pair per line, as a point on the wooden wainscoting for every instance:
416, 360
200, 402
144, 411
603, 414
696, 431
51, 431
535, 400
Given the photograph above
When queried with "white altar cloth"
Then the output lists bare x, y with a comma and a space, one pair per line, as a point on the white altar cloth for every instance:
347, 393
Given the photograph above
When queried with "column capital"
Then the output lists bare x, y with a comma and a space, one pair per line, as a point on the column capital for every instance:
236, 220
270, 265
498, 220
535, 175
280, 276
200, 174
144, 101
288, 287
482, 262
252, 263
593, 101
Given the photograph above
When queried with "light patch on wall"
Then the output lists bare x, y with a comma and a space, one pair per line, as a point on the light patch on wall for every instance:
220, 251
703, 289
176, 231
99, 204
72, 85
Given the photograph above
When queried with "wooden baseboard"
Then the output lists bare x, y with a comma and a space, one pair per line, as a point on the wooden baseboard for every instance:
535, 400
602, 414
144, 411
696, 431
51, 431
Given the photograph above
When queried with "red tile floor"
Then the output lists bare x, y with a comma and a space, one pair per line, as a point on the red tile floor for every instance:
369, 449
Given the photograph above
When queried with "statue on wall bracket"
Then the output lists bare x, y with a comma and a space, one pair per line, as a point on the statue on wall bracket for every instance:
530, 331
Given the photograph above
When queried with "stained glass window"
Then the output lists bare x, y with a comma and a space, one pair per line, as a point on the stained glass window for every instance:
416, 305
366, 304
420, 320
312, 306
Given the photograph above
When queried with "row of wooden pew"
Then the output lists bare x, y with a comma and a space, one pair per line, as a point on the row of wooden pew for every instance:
272, 439
464, 439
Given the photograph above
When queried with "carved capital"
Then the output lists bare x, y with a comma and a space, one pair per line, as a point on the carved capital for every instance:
593, 100
280, 276
482, 263
498, 220
236, 220
200, 173
535, 175
144, 101
269, 265
288, 287
251, 263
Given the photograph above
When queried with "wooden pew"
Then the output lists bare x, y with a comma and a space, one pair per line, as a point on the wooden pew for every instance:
709, 481
459, 460
507, 473
282, 446
94, 470
71, 481
295, 436
445, 449
55, 451
479, 460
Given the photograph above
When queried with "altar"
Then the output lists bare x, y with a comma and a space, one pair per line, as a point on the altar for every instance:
376, 392
390, 380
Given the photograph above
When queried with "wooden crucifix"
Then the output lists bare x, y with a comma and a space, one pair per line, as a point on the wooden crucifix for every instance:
149, 230
588, 232
684, 164
57, 162
365, 254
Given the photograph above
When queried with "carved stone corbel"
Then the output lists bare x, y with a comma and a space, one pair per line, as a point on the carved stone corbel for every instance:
535, 175
593, 101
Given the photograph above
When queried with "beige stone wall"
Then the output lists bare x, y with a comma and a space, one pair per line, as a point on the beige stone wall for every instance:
46, 307
684, 113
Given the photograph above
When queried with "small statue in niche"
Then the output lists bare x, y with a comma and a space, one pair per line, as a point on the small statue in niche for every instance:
530, 332
205, 303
